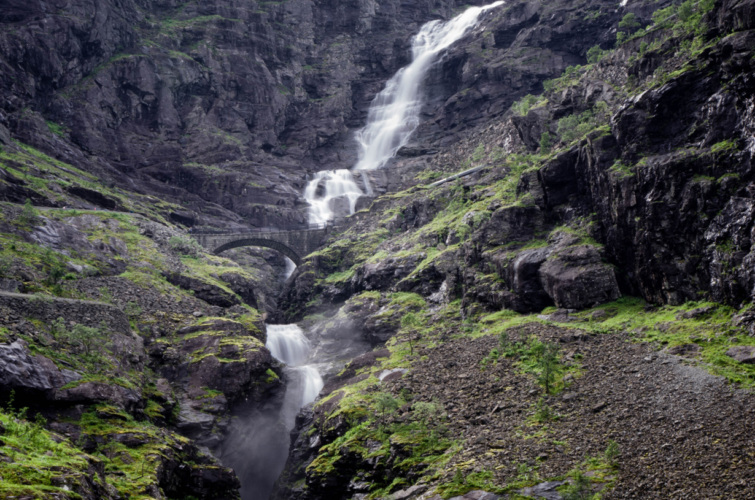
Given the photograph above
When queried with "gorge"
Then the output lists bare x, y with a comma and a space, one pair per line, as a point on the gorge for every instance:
571, 318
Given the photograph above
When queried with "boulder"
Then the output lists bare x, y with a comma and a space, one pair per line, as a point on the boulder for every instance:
98, 392
575, 278
742, 353
22, 372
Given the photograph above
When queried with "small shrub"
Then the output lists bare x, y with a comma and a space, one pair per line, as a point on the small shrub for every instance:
549, 367
29, 215
612, 454
427, 412
185, 246
595, 54
132, 309
6, 264
543, 412
579, 489
523, 105
105, 295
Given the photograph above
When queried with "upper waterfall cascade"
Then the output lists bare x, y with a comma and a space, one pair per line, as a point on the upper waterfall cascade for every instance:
392, 118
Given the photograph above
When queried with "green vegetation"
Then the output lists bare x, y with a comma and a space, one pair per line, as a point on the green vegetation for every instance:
185, 246
705, 325
628, 24
39, 463
573, 127
462, 483
538, 358
595, 54
56, 128
523, 105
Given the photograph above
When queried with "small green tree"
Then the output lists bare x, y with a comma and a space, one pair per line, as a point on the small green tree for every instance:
612, 454
685, 11
546, 142
88, 339
58, 328
594, 54
410, 322
579, 489
567, 128
385, 403
549, 366
629, 22
29, 215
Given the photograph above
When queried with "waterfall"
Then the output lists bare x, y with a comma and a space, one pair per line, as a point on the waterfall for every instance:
391, 119
331, 193
259, 448
288, 344
394, 113
290, 267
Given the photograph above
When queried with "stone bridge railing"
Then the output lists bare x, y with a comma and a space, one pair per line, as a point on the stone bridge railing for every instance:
294, 243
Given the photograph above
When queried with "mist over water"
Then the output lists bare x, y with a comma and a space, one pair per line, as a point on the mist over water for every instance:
392, 118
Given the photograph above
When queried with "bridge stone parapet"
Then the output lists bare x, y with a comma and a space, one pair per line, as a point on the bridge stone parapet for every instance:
293, 243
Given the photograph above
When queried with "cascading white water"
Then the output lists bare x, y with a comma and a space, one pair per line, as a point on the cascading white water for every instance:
288, 344
259, 447
331, 192
394, 113
260, 441
391, 119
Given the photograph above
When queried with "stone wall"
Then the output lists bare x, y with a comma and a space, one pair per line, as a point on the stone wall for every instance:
16, 307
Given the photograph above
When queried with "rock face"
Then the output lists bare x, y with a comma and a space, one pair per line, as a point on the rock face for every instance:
215, 364
22, 372
208, 104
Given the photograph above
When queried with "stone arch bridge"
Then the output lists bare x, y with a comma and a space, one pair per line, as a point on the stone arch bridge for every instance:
293, 243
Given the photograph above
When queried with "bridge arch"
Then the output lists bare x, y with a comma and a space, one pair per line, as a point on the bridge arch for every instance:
260, 242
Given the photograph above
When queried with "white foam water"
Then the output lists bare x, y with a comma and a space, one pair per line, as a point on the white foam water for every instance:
394, 113
327, 190
287, 344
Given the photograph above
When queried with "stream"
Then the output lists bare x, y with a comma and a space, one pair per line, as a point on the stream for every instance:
258, 444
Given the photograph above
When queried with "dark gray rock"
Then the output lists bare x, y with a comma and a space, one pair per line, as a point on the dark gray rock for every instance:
545, 490
742, 353
477, 495
22, 372
97, 392
575, 278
